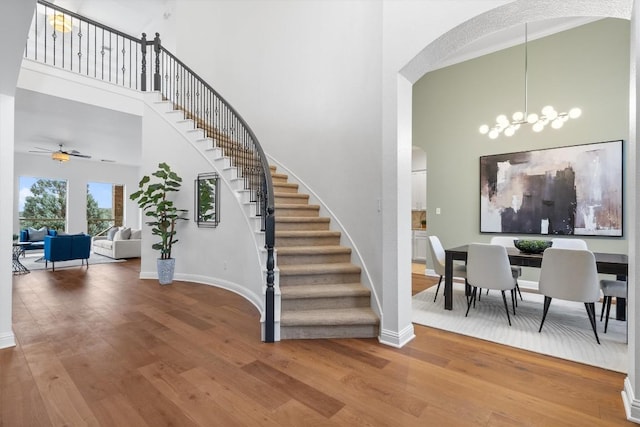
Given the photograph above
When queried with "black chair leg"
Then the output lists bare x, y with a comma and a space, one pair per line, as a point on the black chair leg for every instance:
437, 289
591, 312
519, 293
547, 303
604, 302
471, 298
514, 301
506, 307
606, 321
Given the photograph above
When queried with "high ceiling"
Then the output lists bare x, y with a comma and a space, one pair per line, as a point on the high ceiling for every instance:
45, 121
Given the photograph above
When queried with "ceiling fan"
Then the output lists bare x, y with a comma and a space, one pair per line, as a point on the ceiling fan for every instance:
61, 155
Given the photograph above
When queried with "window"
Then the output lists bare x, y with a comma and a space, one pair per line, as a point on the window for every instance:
42, 203
104, 207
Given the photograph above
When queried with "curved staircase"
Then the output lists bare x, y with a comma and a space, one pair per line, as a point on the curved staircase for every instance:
321, 292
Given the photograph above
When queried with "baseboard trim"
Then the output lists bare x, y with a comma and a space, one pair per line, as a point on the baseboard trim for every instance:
631, 404
397, 339
7, 340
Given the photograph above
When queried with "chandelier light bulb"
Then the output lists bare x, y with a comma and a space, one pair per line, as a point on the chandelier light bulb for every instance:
548, 113
574, 113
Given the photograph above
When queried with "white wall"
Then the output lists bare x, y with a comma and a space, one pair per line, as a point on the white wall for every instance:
78, 173
227, 256
316, 82
11, 47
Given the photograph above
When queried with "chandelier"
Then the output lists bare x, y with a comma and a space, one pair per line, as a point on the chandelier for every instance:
548, 114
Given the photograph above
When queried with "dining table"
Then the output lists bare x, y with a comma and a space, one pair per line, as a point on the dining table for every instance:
606, 263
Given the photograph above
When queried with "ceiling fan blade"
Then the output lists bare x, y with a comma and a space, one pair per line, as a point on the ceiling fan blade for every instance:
41, 150
77, 154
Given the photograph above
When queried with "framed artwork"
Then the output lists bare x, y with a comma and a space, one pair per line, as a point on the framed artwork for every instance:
574, 190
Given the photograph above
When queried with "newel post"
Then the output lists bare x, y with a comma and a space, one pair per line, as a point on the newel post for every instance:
143, 73
156, 75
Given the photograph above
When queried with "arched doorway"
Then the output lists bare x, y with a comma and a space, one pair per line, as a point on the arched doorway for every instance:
511, 14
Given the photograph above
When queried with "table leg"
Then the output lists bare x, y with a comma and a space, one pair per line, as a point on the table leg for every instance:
448, 282
17, 266
621, 309
621, 303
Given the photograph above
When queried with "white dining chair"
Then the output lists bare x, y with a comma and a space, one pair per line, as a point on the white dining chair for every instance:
570, 274
565, 243
508, 242
488, 268
438, 259
611, 289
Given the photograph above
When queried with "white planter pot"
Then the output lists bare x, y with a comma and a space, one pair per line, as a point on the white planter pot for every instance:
166, 267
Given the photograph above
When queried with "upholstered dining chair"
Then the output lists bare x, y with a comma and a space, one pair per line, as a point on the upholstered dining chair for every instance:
565, 243
611, 289
516, 270
438, 259
570, 274
488, 268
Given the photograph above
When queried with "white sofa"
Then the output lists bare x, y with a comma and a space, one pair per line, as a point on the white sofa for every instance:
118, 243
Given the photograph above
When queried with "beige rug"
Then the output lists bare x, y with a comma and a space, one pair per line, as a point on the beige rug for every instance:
566, 334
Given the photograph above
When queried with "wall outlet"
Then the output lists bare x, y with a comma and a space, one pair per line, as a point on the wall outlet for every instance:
437, 211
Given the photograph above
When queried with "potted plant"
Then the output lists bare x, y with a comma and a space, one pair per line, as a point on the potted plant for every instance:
152, 198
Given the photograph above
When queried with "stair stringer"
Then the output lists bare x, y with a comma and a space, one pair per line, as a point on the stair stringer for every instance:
357, 260
228, 175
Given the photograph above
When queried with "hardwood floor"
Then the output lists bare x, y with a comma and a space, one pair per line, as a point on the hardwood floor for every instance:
101, 347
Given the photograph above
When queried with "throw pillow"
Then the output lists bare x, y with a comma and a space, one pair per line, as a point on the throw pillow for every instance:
111, 233
37, 235
125, 233
136, 234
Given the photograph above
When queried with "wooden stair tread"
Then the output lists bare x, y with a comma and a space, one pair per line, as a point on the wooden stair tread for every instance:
330, 317
311, 219
306, 233
324, 291
295, 206
309, 269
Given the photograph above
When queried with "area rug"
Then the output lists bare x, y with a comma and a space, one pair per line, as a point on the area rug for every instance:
566, 334
34, 261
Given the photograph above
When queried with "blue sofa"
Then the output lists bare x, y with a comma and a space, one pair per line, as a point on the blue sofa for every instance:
66, 248
35, 238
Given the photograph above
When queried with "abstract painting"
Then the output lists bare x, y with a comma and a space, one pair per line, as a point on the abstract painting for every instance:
574, 190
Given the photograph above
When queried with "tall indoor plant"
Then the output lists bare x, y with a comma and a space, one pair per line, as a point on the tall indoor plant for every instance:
152, 197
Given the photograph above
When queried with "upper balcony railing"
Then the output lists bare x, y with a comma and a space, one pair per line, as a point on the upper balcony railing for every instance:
70, 41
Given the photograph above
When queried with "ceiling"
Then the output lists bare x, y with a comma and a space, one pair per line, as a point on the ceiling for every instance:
46, 121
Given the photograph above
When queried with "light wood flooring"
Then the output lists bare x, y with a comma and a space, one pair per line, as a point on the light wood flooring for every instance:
101, 347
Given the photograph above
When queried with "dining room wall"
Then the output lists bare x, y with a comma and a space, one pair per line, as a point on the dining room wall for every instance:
587, 66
